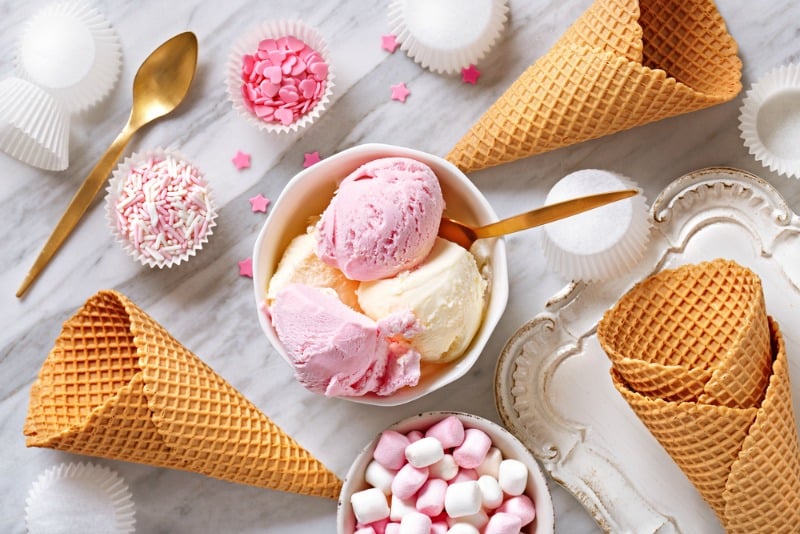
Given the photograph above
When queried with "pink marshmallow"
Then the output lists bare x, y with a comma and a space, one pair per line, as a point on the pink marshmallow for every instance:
430, 500
390, 451
502, 523
521, 506
414, 435
415, 523
439, 527
408, 481
378, 527
472, 451
464, 475
449, 431
392, 528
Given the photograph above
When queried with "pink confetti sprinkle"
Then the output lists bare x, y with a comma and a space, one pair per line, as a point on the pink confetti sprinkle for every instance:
400, 92
470, 74
241, 160
310, 158
259, 203
283, 80
389, 43
246, 268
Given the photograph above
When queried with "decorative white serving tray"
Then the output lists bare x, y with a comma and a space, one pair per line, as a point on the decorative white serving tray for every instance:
553, 388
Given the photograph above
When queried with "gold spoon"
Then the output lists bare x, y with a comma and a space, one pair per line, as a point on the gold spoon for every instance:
465, 235
160, 84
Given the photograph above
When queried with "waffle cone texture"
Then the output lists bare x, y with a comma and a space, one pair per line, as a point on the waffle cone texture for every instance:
704, 367
117, 385
623, 63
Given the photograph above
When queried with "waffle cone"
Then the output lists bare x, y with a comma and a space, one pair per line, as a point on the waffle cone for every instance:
622, 64
117, 385
740, 450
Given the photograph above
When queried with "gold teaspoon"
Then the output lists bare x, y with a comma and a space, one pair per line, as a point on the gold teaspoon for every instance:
160, 84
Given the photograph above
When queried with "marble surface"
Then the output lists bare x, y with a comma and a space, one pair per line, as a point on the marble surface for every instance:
206, 304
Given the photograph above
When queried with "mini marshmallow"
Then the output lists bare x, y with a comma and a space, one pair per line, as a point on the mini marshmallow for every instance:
513, 476
369, 505
491, 464
430, 500
400, 508
462, 499
390, 451
472, 451
439, 527
502, 523
462, 528
409, 480
521, 506
449, 431
477, 520
415, 523
414, 435
378, 526
392, 528
425, 452
365, 530
465, 475
379, 477
491, 492
446, 468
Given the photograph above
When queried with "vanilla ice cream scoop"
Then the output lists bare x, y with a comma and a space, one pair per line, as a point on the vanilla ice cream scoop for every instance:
383, 219
446, 293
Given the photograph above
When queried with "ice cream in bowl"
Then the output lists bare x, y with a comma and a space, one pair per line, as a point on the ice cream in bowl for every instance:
356, 290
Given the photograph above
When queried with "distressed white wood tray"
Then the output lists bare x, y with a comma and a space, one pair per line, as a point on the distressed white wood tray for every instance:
553, 388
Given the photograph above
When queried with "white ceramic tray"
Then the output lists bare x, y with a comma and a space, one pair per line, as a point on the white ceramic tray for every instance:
553, 388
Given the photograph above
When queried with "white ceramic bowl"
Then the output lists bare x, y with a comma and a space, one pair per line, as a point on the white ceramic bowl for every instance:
509, 445
308, 193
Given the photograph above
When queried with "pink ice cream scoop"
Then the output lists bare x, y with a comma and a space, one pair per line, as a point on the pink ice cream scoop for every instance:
383, 219
337, 351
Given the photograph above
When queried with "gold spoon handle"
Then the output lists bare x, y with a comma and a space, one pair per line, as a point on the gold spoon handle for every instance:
78, 206
550, 213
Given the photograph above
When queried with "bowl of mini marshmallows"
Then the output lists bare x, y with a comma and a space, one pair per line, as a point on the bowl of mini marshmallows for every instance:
445, 473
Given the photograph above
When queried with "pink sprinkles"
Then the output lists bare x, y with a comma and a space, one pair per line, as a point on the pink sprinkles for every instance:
283, 80
163, 209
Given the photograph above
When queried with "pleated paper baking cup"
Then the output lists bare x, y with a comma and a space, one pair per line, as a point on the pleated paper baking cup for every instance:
601, 243
72, 51
264, 105
78, 497
159, 207
447, 35
34, 127
770, 120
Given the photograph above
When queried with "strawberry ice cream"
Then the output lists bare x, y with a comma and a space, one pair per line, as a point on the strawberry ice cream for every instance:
340, 352
383, 219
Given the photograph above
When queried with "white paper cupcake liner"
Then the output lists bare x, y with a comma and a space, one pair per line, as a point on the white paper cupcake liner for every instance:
248, 44
72, 51
159, 253
78, 497
601, 243
770, 120
34, 127
447, 35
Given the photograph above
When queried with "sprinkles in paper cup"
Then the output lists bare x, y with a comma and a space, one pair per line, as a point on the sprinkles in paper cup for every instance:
159, 207
279, 76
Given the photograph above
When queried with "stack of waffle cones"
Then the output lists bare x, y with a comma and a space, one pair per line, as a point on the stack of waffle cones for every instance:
622, 64
117, 385
695, 355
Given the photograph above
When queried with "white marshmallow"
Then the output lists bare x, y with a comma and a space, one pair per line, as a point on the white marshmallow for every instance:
463, 528
401, 507
513, 476
491, 492
446, 468
491, 464
425, 452
462, 499
477, 520
369, 505
379, 477
415, 523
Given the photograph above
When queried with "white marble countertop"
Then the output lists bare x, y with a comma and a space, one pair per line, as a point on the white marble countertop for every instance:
206, 304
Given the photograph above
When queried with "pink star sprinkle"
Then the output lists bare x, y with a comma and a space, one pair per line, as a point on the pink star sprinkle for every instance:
389, 43
241, 160
310, 158
400, 92
259, 203
246, 268
470, 75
